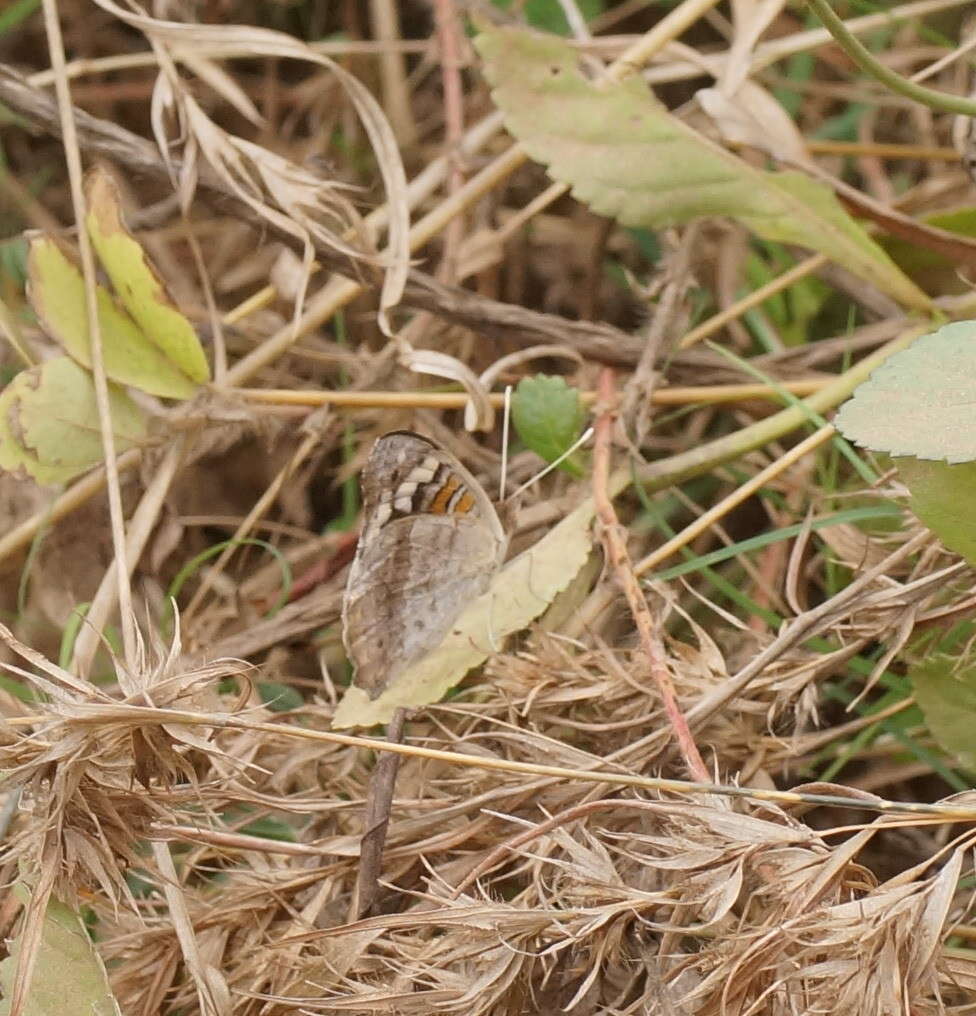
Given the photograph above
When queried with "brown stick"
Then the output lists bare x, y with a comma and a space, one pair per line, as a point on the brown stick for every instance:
615, 547
379, 800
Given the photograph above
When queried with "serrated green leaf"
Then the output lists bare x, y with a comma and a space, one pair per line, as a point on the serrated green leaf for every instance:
920, 401
627, 157
49, 424
57, 294
138, 285
548, 415
944, 498
520, 592
548, 15
69, 978
946, 694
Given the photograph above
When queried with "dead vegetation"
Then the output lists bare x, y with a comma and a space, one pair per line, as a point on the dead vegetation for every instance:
174, 776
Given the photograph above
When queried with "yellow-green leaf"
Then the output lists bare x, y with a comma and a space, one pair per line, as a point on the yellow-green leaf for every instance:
69, 978
625, 155
138, 285
57, 293
519, 593
944, 498
49, 424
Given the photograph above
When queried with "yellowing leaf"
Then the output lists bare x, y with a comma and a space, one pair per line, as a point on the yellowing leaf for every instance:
519, 594
49, 424
137, 283
57, 293
69, 978
625, 155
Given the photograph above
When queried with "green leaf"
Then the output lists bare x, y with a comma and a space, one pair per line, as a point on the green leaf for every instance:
69, 979
49, 423
548, 415
548, 16
522, 591
944, 498
271, 829
627, 157
946, 694
279, 698
920, 401
57, 294
138, 285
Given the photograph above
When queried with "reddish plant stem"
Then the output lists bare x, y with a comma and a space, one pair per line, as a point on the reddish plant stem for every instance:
448, 39
615, 546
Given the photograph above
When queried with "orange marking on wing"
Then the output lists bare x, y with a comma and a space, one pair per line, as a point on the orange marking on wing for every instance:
441, 500
464, 505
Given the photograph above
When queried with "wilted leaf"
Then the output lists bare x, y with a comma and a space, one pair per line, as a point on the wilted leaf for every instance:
944, 498
626, 156
518, 595
49, 422
548, 415
920, 401
57, 293
137, 283
946, 694
69, 979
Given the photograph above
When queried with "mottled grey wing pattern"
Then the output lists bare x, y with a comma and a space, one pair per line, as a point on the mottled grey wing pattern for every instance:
431, 542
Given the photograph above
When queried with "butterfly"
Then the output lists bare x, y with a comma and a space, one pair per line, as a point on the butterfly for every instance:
431, 542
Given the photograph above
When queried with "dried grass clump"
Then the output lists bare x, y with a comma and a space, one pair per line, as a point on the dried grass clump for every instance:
92, 782
656, 906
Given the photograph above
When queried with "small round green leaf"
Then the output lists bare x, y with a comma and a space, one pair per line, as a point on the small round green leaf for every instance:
548, 415
921, 401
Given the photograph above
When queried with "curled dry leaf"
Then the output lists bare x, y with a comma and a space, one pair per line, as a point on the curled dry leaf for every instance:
519, 594
294, 199
478, 413
753, 117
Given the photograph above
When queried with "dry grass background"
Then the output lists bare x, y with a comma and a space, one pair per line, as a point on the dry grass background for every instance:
211, 840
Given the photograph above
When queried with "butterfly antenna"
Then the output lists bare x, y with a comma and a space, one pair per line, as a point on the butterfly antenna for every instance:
578, 443
506, 417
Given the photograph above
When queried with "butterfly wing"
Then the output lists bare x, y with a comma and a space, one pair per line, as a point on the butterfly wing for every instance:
431, 543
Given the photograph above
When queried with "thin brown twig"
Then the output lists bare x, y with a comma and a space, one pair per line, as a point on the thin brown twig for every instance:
616, 550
